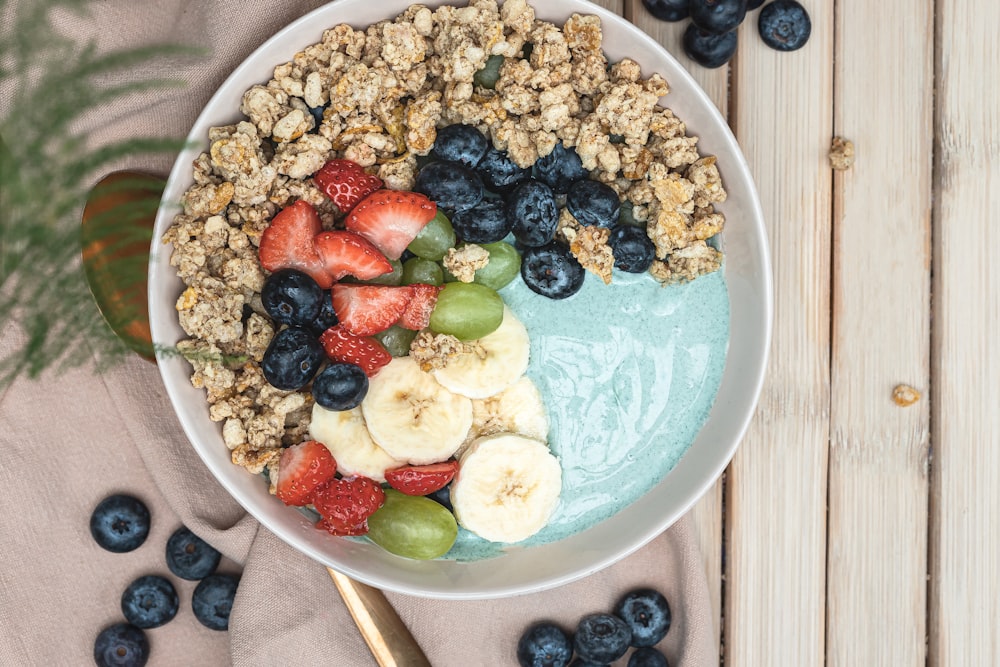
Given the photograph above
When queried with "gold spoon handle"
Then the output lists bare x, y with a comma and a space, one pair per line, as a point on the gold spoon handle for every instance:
388, 638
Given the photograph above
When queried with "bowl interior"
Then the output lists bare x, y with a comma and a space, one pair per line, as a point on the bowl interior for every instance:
519, 570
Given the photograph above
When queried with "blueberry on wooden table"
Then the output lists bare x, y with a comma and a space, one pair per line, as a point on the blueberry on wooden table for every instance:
601, 638
292, 358
551, 270
784, 25
533, 214
190, 557
560, 169
544, 645
149, 602
121, 645
120, 523
647, 656
291, 297
667, 10
718, 16
647, 615
708, 49
593, 203
460, 143
212, 600
632, 249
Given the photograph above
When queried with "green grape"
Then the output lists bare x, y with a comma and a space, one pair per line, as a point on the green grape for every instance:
396, 340
504, 266
420, 270
625, 216
412, 526
467, 311
391, 278
488, 75
434, 239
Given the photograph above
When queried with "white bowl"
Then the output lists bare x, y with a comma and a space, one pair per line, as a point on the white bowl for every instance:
748, 279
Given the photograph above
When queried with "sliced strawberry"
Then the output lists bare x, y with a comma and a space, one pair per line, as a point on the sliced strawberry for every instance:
348, 253
340, 531
302, 469
421, 480
341, 345
368, 309
287, 243
346, 183
345, 504
418, 312
391, 219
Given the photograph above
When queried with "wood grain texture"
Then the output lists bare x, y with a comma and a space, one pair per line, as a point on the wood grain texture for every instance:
878, 485
965, 472
774, 610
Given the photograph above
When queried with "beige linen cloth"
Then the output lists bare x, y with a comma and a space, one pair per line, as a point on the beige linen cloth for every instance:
72, 438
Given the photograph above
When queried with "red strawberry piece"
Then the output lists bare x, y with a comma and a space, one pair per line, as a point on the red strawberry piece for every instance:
346, 183
421, 480
418, 312
368, 309
303, 468
348, 253
345, 504
341, 345
287, 243
391, 219
340, 531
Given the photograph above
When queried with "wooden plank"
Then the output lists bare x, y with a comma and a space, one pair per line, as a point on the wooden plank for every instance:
877, 521
615, 6
776, 487
965, 470
708, 512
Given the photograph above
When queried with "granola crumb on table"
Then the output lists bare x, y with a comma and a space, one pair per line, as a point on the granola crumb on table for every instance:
385, 91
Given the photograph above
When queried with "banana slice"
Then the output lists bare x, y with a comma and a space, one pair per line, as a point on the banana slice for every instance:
345, 434
499, 360
412, 417
506, 488
517, 409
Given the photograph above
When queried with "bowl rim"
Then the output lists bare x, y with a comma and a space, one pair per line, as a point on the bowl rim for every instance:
409, 577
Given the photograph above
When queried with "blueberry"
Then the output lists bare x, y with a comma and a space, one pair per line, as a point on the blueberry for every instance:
442, 497
189, 556
784, 25
544, 645
593, 203
452, 185
667, 10
601, 638
291, 297
707, 49
499, 172
532, 212
121, 645
647, 615
460, 143
212, 600
647, 656
149, 602
633, 250
560, 169
120, 523
326, 317
580, 662
292, 358
718, 16
317, 114
551, 271
340, 386
485, 222
754, 4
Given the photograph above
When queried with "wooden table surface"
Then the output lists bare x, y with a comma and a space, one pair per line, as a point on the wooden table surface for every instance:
848, 529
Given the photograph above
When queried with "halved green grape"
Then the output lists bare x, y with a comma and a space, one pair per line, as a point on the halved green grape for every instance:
391, 278
504, 266
488, 75
467, 311
396, 340
412, 526
434, 239
420, 270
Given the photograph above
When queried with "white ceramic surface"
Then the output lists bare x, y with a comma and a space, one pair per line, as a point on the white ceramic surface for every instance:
748, 278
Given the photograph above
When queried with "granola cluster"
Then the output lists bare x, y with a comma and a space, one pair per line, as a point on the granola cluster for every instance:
377, 96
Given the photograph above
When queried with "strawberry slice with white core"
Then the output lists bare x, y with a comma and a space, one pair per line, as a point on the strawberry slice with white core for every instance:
302, 469
347, 253
368, 309
391, 219
346, 183
418, 312
288, 243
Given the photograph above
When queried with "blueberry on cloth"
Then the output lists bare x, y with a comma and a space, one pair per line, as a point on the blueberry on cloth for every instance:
120, 523
190, 557
149, 602
460, 143
451, 185
291, 297
647, 656
292, 358
340, 386
718, 16
708, 49
212, 600
551, 270
667, 10
326, 317
647, 615
593, 203
632, 249
499, 172
485, 222
560, 169
544, 645
533, 214
121, 645
601, 638
784, 25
